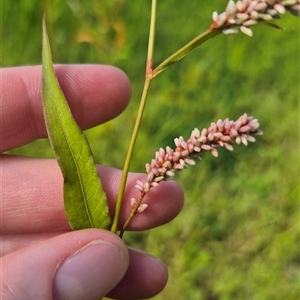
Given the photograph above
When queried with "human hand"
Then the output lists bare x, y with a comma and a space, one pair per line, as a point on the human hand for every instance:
41, 257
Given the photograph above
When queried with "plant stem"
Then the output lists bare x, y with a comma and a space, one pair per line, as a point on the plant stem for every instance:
150, 51
134, 135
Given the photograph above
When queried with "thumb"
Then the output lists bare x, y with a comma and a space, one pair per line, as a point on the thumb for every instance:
83, 264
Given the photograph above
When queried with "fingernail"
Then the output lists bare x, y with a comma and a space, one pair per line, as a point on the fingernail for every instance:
90, 273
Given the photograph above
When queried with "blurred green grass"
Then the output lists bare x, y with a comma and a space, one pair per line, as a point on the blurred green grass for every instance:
238, 234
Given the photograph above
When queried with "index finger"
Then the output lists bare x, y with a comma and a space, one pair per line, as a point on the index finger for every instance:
95, 93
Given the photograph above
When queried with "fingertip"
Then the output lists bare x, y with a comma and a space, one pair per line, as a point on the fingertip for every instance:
146, 277
96, 93
86, 263
91, 272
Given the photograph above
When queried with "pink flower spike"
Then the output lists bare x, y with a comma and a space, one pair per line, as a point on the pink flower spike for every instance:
142, 207
140, 182
231, 9
222, 18
191, 146
210, 137
230, 31
169, 150
167, 165
228, 147
238, 140
176, 156
161, 152
206, 147
246, 13
261, 6
249, 23
196, 133
214, 152
133, 202
220, 125
246, 30
245, 128
185, 153
270, 2
178, 167
233, 132
215, 16
225, 138
159, 179
154, 184
241, 17
279, 8
251, 139
220, 134
237, 124
162, 170
182, 162
150, 176
170, 173
202, 139
183, 143
190, 161
244, 140
177, 142
139, 187
213, 127
241, 5
204, 132
148, 168
265, 17
147, 187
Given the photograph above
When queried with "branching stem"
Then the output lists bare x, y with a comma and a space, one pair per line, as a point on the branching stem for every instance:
134, 135
150, 74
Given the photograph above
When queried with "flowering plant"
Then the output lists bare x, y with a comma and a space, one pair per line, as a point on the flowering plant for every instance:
85, 201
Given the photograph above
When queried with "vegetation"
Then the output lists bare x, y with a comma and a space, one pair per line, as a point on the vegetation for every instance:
238, 234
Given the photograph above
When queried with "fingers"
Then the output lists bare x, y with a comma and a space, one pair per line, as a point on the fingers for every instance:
33, 197
77, 265
146, 276
84, 264
96, 94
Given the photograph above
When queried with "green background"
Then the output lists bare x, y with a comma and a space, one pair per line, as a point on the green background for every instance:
237, 236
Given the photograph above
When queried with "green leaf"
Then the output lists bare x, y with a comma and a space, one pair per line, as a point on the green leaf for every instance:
84, 198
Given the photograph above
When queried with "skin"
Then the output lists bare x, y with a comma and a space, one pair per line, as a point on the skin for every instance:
41, 258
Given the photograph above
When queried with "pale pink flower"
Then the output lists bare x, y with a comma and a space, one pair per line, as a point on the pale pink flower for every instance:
245, 13
220, 134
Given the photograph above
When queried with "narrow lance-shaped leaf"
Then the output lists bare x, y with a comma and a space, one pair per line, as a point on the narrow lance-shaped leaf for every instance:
84, 198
